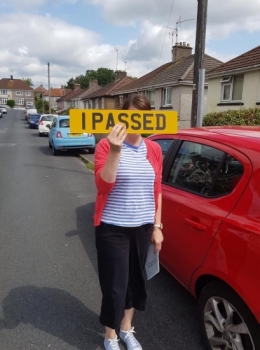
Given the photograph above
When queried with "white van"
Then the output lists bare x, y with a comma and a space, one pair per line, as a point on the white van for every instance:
30, 111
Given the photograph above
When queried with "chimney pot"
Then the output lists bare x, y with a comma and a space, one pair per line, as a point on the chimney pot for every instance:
180, 51
184, 43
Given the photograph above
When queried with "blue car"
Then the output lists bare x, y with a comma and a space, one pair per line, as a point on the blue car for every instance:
33, 121
61, 139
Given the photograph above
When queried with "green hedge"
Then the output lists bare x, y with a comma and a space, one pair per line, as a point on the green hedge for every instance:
249, 116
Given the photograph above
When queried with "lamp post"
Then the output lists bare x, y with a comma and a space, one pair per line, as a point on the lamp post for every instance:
39, 82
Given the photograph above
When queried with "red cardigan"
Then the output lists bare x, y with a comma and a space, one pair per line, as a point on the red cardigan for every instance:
154, 155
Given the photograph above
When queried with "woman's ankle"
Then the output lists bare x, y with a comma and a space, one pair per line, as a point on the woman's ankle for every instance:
110, 333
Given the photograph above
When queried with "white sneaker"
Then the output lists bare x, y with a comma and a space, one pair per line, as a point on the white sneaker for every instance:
111, 344
128, 337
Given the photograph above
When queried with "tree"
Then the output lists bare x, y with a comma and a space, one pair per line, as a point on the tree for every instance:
28, 81
104, 76
134, 78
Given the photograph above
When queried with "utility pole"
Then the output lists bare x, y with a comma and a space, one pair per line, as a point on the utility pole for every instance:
116, 48
49, 87
199, 72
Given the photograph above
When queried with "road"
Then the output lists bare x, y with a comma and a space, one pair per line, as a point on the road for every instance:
50, 296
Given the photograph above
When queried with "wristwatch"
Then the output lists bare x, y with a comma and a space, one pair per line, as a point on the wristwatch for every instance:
160, 226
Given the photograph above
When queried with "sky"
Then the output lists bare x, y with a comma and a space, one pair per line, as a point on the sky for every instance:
77, 35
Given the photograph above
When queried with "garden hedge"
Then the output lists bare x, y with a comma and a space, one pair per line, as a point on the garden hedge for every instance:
249, 116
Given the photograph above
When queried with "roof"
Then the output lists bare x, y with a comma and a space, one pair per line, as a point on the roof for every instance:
112, 87
247, 60
87, 92
40, 89
172, 72
57, 92
14, 84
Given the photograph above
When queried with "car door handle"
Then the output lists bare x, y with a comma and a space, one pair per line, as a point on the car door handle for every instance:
195, 225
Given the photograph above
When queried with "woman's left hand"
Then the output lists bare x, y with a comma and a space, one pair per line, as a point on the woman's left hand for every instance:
157, 238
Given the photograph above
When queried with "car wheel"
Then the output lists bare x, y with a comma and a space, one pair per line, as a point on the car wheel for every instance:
40, 134
226, 321
55, 152
91, 150
50, 146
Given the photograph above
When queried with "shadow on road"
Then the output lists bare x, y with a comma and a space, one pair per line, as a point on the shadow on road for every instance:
53, 311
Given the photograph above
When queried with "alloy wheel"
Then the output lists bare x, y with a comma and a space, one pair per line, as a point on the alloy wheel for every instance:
225, 327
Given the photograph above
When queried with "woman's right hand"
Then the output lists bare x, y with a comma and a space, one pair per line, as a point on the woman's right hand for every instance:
116, 137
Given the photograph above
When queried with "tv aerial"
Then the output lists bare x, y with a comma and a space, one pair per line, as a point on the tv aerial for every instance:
175, 31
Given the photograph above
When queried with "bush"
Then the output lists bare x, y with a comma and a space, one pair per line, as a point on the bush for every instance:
249, 116
10, 103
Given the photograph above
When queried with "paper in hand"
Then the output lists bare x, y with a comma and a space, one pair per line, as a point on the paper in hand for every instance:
152, 266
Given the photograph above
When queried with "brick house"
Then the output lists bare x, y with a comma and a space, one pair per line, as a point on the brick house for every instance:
236, 83
17, 90
55, 94
170, 86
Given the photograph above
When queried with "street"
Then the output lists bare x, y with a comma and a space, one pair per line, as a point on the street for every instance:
50, 296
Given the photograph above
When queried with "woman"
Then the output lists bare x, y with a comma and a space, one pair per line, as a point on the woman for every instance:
128, 173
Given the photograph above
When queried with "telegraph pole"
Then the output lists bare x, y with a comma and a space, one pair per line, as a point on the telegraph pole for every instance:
49, 87
199, 60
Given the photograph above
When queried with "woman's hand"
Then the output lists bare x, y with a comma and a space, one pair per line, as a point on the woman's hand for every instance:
157, 238
116, 137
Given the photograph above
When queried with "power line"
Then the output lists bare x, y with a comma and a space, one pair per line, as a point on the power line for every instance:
166, 32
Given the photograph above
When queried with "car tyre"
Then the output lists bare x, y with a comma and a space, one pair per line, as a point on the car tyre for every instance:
55, 152
40, 134
225, 319
91, 150
50, 146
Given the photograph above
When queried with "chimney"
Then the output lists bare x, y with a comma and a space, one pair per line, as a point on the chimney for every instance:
92, 83
180, 51
62, 86
76, 86
11, 77
119, 74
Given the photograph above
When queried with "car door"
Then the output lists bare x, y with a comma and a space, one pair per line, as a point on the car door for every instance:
52, 130
198, 192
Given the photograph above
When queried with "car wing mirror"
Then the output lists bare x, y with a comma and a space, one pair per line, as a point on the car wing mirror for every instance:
48, 126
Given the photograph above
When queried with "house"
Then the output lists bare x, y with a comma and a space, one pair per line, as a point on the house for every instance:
39, 91
170, 86
55, 94
17, 90
79, 101
236, 83
103, 98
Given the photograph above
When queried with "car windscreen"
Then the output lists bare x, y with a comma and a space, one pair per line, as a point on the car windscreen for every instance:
35, 116
47, 118
64, 123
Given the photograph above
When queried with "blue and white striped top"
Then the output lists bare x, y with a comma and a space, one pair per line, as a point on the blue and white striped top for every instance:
131, 202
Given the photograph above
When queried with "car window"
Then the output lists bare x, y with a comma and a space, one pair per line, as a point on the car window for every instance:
54, 123
204, 170
165, 144
64, 123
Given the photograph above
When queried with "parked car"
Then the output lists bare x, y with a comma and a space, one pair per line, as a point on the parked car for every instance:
211, 227
33, 121
46, 119
29, 111
3, 108
61, 139
1, 113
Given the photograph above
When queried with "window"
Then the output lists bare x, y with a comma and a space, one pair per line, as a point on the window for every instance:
121, 100
167, 97
102, 103
165, 145
150, 95
3, 92
96, 103
3, 101
232, 87
18, 93
54, 122
28, 93
19, 101
89, 104
204, 170
64, 123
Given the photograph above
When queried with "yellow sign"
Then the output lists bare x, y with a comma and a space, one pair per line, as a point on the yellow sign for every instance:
101, 121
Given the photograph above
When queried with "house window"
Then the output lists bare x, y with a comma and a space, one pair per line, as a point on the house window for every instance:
28, 93
20, 101
121, 100
89, 104
102, 103
150, 95
18, 93
96, 103
167, 97
232, 87
3, 92
3, 101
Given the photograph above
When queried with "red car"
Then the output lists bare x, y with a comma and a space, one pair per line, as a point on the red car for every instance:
211, 219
